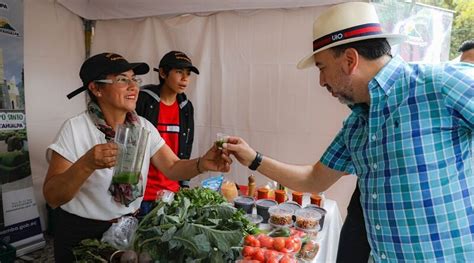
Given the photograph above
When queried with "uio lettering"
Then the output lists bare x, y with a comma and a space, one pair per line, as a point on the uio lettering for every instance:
337, 36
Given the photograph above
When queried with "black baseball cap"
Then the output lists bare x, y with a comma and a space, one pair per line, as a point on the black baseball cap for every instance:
102, 64
176, 59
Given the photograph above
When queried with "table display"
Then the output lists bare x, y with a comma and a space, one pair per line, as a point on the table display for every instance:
199, 224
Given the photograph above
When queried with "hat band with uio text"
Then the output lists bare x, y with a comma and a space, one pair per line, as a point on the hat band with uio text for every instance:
352, 32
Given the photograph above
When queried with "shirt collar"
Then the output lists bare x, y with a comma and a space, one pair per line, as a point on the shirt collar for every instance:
387, 76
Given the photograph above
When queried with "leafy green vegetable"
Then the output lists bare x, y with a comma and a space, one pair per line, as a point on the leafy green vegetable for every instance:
198, 226
92, 250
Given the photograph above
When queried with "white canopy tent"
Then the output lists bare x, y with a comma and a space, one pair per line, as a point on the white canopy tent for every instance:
248, 86
123, 9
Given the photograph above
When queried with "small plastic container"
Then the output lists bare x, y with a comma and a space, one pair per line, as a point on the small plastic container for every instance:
280, 196
280, 217
308, 251
321, 210
254, 218
293, 206
262, 193
164, 195
263, 205
297, 197
307, 219
244, 202
316, 199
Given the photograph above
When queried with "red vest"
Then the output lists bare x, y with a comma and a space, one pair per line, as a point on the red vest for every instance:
168, 127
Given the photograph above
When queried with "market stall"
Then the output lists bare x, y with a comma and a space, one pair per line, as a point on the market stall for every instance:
199, 224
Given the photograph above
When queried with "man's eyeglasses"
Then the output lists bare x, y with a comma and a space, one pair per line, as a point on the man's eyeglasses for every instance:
123, 81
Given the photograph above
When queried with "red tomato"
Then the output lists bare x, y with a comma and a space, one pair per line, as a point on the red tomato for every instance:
278, 243
266, 241
290, 244
259, 255
248, 251
287, 259
293, 231
255, 243
270, 253
249, 239
297, 245
274, 259
299, 233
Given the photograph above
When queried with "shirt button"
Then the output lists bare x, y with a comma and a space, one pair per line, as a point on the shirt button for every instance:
374, 137
383, 256
375, 166
374, 196
377, 227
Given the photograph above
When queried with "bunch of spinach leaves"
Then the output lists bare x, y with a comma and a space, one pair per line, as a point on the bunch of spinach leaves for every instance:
198, 226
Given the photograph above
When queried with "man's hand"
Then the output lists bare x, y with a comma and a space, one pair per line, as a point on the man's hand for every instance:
240, 149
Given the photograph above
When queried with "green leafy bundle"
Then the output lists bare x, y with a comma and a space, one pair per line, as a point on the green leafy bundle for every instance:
198, 226
93, 250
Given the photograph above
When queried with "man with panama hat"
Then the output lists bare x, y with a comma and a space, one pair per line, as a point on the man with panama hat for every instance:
408, 139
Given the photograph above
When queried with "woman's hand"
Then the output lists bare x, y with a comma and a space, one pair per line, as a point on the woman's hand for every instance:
101, 156
215, 159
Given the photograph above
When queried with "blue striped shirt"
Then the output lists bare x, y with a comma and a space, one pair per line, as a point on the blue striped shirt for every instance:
412, 151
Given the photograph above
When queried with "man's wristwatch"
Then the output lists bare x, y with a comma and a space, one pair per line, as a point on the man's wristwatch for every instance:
256, 162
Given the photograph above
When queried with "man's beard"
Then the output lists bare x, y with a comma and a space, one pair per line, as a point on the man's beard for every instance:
345, 100
342, 98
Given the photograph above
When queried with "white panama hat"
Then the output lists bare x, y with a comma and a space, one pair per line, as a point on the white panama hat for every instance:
346, 23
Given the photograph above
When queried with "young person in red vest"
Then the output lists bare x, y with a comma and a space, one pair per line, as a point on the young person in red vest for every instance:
168, 109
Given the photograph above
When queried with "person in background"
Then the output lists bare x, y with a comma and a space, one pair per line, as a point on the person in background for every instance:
353, 244
467, 51
408, 139
78, 181
169, 110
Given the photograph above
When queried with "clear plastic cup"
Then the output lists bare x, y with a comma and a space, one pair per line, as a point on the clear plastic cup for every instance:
280, 217
293, 206
132, 142
221, 138
307, 219
321, 210
254, 218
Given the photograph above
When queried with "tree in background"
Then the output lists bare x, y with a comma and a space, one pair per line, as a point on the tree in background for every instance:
463, 21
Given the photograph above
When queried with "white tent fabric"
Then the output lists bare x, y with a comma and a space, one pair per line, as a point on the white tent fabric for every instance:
248, 86
120, 9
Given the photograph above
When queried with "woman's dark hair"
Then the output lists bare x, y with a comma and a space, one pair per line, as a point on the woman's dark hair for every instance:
370, 49
166, 70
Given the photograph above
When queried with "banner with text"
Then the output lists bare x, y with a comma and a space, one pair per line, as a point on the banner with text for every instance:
19, 218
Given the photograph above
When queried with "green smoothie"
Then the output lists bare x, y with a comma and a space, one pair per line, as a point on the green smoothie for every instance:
126, 178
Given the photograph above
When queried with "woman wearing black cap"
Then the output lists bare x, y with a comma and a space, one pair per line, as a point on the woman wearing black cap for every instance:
78, 181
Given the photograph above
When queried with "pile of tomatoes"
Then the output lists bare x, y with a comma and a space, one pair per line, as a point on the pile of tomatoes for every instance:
264, 248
